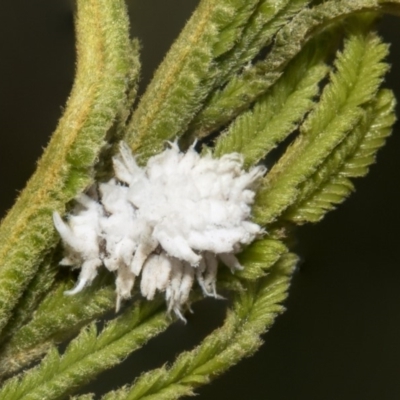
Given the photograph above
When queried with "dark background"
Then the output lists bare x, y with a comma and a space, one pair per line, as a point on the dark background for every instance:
339, 338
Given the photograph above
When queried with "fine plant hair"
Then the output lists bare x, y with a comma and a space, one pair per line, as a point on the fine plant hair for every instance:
298, 78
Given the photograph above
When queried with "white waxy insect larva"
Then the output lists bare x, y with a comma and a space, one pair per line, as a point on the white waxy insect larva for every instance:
166, 224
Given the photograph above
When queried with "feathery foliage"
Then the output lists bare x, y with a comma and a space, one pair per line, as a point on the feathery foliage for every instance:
87, 355
330, 185
253, 311
255, 132
57, 318
243, 89
265, 21
359, 72
218, 75
264, 24
259, 257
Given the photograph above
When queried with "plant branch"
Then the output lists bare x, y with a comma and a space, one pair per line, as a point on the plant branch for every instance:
66, 168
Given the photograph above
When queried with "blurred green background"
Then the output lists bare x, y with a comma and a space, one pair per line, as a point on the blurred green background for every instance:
339, 338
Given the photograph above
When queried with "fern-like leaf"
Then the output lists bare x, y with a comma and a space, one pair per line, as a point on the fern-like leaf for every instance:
360, 71
259, 257
87, 355
331, 184
277, 113
254, 311
265, 21
243, 89
57, 318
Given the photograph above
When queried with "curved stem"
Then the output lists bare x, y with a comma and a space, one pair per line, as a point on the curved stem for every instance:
66, 167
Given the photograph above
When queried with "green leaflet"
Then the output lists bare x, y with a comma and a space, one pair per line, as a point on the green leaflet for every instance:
33, 295
231, 30
331, 184
359, 73
265, 21
259, 257
254, 310
57, 318
66, 168
87, 355
242, 90
275, 115
186, 76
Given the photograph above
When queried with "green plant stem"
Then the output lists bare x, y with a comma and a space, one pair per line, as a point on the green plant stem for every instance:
187, 74
66, 168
